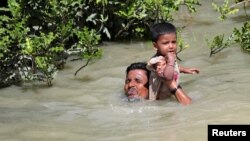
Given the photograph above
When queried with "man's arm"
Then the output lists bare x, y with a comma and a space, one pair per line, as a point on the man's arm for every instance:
182, 97
179, 93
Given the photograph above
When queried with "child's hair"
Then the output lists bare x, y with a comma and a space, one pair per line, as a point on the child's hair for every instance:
160, 29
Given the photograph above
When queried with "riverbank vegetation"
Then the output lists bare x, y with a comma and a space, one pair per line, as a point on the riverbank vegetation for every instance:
239, 36
38, 36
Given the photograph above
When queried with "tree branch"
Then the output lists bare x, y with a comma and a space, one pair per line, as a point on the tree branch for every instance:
82, 66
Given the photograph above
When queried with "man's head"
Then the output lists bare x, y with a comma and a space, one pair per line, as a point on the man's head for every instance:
136, 83
164, 38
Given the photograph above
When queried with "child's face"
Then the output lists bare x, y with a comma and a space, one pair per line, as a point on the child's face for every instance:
166, 43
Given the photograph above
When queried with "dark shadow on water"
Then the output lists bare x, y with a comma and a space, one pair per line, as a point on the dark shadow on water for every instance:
35, 87
241, 18
85, 78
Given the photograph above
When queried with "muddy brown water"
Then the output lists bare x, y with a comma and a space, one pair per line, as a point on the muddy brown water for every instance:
91, 106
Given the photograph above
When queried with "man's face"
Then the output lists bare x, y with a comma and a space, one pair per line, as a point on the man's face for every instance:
135, 84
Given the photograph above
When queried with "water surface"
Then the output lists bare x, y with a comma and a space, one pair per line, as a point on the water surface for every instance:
91, 106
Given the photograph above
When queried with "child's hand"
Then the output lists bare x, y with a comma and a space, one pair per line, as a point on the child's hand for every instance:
189, 70
194, 71
156, 64
160, 66
170, 57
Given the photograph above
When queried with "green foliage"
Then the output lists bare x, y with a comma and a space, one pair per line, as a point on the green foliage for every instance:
140, 14
12, 32
241, 37
181, 43
229, 9
36, 36
219, 43
86, 50
225, 10
42, 52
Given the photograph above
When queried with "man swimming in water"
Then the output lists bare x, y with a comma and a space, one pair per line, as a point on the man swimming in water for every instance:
136, 82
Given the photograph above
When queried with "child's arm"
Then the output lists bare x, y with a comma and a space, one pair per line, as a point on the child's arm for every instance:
169, 68
189, 70
163, 67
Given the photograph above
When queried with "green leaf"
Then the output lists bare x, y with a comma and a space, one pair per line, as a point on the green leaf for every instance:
4, 9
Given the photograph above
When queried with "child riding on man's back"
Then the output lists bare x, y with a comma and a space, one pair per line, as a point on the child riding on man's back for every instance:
165, 72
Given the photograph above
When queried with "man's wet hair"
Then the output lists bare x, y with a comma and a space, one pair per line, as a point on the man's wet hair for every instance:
141, 66
159, 29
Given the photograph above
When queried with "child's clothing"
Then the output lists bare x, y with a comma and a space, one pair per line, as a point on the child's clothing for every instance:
157, 88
